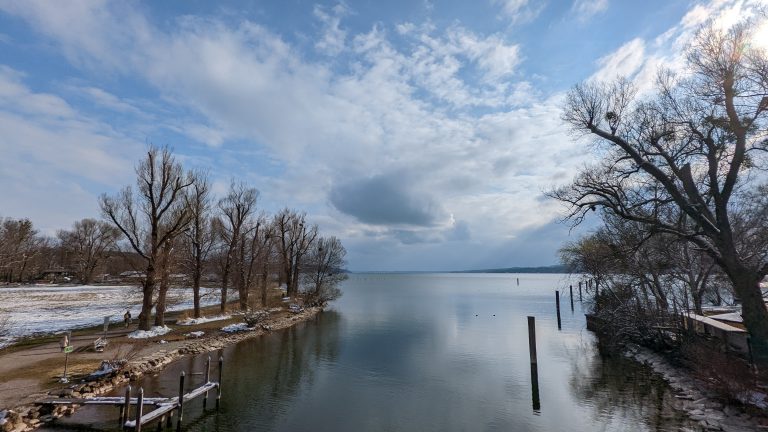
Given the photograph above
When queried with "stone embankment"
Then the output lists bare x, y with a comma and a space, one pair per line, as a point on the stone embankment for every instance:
692, 397
29, 417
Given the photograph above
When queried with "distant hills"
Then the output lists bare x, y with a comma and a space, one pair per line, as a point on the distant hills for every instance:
546, 269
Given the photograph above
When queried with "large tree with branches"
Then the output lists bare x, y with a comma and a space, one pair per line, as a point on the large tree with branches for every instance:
694, 150
151, 217
237, 209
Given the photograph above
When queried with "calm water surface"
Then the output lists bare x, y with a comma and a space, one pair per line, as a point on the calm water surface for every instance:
426, 352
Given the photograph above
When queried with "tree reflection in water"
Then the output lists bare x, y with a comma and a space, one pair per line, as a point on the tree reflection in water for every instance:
617, 387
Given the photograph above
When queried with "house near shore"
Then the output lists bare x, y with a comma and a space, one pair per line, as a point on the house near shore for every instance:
132, 276
56, 275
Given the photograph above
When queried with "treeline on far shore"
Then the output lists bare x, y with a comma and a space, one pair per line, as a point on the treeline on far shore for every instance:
169, 229
558, 268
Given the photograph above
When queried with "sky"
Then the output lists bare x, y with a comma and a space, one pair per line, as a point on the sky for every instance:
422, 133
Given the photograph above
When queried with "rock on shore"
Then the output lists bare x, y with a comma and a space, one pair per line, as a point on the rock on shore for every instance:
692, 397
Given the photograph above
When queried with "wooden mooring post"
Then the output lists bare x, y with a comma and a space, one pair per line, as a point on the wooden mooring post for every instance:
557, 304
180, 410
532, 339
125, 410
571, 288
139, 410
535, 400
207, 379
218, 388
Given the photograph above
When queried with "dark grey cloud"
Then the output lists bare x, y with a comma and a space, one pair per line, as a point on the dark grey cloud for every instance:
386, 200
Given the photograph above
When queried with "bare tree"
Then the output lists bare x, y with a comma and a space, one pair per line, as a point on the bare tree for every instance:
88, 244
293, 240
325, 270
167, 264
236, 209
252, 251
198, 239
20, 248
150, 218
688, 150
266, 257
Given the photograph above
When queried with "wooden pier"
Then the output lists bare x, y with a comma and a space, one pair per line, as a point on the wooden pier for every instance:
164, 407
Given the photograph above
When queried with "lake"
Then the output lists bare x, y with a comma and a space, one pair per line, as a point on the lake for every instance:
425, 352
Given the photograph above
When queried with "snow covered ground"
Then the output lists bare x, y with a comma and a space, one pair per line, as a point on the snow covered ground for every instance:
40, 309
202, 320
238, 327
146, 334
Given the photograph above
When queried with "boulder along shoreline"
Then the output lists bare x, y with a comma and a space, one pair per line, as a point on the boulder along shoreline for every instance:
693, 398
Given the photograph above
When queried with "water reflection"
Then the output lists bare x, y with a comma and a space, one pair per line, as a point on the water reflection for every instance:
618, 388
429, 353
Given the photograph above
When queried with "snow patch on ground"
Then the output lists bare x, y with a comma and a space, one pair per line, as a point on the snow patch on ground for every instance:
46, 309
202, 320
145, 334
234, 328
194, 334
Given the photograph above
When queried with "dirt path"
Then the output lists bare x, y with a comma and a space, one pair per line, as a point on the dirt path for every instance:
30, 370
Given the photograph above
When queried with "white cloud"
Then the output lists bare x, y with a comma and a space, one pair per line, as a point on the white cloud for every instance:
519, 11
333, 37
626, 61
586, 9
386, 115
445, 110
52, 152
108, 100
640, 59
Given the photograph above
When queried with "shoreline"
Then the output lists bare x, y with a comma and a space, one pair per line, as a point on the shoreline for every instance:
694, 398
28, 416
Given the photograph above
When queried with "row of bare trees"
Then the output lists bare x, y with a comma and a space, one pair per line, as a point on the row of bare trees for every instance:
172, 221
681, 178
25, 254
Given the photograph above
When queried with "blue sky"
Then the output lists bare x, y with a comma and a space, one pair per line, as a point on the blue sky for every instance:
422, 133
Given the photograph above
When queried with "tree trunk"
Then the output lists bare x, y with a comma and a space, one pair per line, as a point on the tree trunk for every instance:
223, 307
146, 303
264, 287
288, 279
295, 280
754, 312
242, 291
160, 308
196, 291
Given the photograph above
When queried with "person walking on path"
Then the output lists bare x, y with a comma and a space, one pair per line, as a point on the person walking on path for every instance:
127, 318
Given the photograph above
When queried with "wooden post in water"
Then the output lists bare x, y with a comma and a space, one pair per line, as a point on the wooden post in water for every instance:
139, 410
126, 408
532, 339
181, 401
518, 281
571, 288
536, 401
218, 388
557, 304
207, 379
